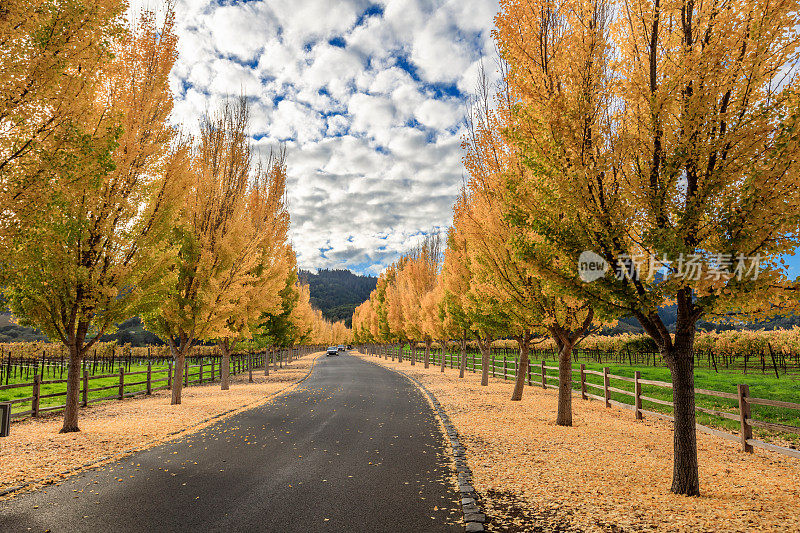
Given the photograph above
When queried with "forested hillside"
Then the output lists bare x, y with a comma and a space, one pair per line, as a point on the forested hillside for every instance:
338, 292
334, 292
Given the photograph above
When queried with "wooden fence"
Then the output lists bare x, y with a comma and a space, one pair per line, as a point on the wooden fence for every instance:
774, 362
538, 373
145, 382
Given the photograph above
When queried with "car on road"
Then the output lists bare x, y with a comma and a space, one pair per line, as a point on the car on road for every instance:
332, 350
342, 348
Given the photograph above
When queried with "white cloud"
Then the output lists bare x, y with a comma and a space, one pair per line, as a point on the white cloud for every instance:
374, 153
436, 51
437, 114
242, 30
371, 113
295, 120
332, 68
305, 21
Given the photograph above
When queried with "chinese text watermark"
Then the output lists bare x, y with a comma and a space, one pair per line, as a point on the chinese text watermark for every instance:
691, 267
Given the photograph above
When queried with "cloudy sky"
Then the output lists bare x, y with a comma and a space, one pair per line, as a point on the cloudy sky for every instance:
369, 98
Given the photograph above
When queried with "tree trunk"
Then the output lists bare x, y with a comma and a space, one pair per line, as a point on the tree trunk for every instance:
564, 416
678, 354
522, 367
179, 358
73, 389
225, 369
427, 357
462, 364
486, 352
685, 478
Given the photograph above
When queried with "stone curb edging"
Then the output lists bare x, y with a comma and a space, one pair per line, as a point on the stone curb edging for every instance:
474, 519
50, 480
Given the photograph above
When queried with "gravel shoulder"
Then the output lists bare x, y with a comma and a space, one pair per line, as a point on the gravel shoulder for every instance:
606, 473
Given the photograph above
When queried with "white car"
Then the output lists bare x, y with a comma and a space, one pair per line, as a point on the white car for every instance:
332, 350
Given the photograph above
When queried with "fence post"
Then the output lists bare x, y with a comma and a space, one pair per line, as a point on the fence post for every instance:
36, 388
201, 371
746, 431
186, 373
583, 382
505, 368
149, 378
530, 375
121, 382
637, 389
606, 392
5, 419
169, 375
266, 362
544, 376
85, 387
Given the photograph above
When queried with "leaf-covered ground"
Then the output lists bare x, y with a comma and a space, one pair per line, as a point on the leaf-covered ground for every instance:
36, 452
607, 472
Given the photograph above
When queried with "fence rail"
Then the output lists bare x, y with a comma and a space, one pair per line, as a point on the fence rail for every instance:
774, 362
144, 382
506, 368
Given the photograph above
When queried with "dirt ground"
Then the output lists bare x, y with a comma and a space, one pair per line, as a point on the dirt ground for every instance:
35, 454
606, 473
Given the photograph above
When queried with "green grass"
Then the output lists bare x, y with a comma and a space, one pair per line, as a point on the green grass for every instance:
785, 388
761, 386
158, 372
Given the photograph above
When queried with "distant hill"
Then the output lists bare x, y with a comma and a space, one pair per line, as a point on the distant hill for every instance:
12, 332
130, 331
669, 315
334, 292
338, 292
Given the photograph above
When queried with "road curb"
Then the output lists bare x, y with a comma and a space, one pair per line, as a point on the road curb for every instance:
474, 519
62, 476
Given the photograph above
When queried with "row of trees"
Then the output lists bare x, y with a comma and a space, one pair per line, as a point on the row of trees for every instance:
648, 133
109, 211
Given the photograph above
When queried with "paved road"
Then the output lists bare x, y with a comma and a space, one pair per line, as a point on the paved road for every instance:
354, 448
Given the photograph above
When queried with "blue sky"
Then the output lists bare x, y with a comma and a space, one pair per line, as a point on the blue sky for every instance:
369, 97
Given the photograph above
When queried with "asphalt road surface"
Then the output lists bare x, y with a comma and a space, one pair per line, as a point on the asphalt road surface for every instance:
354, 448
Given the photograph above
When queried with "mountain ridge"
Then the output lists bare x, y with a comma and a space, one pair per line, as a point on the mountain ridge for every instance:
337, 292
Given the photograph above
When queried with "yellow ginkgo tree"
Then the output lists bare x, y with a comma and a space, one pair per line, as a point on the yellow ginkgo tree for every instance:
517, 288
415, 282
661, 147
96, 248
232, 225
266, 252
52, 58
455, 286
